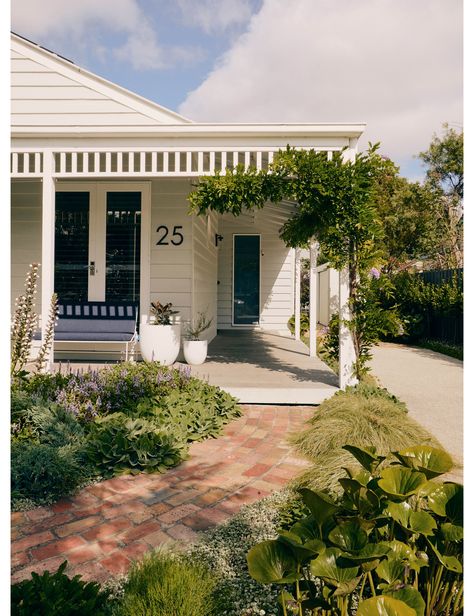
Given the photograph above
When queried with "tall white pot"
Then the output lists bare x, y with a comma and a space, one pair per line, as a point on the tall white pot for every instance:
160, 342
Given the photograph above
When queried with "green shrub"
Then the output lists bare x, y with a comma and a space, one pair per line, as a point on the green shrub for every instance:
304, 323
43, 473
55, 594
416, 301
193, 413
100, 392
119, 444
21, 426
395, 533
452, 350
56, 426
120, 388
365, 416
165, 585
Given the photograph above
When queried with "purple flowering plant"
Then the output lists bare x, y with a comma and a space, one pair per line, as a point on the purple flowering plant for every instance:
95, 393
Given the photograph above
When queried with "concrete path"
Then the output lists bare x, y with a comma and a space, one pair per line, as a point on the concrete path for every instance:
107, 525
431, 384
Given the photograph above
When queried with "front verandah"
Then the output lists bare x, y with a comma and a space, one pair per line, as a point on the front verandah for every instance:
266, 368
259, 367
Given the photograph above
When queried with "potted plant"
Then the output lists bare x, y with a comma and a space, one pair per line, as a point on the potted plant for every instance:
195, 350
160, 338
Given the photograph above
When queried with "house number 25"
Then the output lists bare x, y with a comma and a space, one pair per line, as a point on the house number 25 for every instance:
176, 237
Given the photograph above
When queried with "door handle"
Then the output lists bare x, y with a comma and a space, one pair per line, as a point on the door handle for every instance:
92, 269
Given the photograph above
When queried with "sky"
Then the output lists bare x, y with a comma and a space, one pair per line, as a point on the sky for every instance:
394, 64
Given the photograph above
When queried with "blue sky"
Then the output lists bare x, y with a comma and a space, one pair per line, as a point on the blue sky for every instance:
395, 64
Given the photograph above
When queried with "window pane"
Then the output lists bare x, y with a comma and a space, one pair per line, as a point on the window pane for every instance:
123, 246
71, 245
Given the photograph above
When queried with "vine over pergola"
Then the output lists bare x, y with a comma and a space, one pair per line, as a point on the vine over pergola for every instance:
335, 207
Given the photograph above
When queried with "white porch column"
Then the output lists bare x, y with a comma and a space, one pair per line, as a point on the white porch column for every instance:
346, 346
297, 294
313, 297
47, 246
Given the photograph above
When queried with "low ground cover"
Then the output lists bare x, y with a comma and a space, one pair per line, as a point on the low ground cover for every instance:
69, 429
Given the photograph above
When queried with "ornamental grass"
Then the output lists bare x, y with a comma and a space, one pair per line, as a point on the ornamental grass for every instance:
362, 416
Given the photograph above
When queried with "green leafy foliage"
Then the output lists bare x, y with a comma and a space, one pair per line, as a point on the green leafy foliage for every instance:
304, 323
417, 301
118, 444
162, 312
56, 594
445, 175
43, 473
390, 543
336, 206
195, 412
163, 584
385, 606
98, 392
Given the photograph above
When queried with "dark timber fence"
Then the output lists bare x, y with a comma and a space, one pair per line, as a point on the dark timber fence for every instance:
444, 327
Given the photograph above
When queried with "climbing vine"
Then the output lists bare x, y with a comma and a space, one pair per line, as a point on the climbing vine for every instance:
335, 207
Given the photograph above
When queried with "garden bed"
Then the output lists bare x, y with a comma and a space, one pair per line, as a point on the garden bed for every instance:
74, 428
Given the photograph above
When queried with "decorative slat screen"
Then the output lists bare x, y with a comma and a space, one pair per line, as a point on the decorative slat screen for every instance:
142, 162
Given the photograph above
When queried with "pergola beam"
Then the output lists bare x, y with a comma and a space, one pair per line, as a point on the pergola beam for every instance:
297, 294
313, 297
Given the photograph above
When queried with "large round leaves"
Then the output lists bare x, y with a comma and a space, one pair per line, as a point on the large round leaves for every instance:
349, 536
271, 561
447, 500
367, 456
401, 482
431, 461
411, 597
384, 606
321, 506
414, 521
335, 571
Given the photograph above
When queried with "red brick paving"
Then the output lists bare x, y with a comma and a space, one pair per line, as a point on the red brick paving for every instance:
102, 529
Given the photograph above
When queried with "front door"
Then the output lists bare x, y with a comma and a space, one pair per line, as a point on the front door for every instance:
246, 287
97, 243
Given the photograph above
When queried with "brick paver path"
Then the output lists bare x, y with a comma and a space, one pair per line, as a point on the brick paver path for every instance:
107, 525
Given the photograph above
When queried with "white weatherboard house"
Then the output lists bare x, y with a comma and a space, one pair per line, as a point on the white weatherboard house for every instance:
112, 171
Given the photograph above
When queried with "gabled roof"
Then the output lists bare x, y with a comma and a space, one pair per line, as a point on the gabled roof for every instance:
49, 90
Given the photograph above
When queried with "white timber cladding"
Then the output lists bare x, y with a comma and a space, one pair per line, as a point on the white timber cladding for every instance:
171, 259
205, 254
26, 213
49, 91
276, 267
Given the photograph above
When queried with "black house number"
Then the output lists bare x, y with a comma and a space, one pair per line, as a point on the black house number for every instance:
177, 238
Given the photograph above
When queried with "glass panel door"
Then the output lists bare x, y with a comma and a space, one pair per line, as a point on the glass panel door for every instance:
122, 254
246, 298
71, 271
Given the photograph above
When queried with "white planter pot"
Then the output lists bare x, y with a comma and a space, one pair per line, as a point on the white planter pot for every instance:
160, 342
195, 351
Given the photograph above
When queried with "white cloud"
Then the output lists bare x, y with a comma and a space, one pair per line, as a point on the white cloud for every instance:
395, 64
57, 17
215, 15
88, 22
